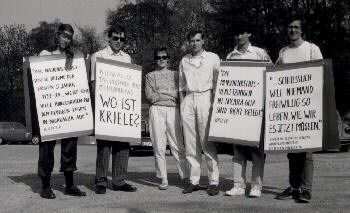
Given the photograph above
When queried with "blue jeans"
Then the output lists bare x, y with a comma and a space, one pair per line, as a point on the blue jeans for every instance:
301, 170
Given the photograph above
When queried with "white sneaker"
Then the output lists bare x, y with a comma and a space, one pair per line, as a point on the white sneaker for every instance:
255, 192
235, 191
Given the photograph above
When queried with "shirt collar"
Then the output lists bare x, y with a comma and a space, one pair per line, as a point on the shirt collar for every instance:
110, 52
195, 61
201, 56
249, 49
57, 51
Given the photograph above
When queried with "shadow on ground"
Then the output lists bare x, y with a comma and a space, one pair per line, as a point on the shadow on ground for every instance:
142, 178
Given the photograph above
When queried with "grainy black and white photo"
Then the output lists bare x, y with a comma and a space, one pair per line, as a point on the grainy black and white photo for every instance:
140, 106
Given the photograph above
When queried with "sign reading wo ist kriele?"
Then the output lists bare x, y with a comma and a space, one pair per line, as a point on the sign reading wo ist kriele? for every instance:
294, 110
238, 105
62, 97
117, 101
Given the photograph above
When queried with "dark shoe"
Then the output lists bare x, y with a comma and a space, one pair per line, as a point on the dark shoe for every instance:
288, 193
47, 193
191, 188
125, 188
305, 197
100, 189
296, 194
74, 191
213, 190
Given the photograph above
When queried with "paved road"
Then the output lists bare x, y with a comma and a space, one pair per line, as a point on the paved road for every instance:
20, 187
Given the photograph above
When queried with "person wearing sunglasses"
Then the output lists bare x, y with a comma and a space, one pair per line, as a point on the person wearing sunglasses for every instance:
161, 88
244, 50
63, 45
120, 150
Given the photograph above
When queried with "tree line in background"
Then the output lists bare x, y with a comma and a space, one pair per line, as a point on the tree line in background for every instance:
153, 23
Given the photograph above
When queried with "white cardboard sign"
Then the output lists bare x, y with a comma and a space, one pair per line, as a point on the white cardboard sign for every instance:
294, 98
117, 101
62, 97
238, 104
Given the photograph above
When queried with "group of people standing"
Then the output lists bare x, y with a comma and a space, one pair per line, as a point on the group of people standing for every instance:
180, 111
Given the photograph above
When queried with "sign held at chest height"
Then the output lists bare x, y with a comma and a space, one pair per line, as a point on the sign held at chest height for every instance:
238, 105
294, 108
117, 101
62, 97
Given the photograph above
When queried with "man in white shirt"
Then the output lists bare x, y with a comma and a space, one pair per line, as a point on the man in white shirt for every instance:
244, 50
300, 164
120, 150
197, 74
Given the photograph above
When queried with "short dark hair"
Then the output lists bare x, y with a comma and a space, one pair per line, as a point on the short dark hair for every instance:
65, 27
160, 49
193, 32
296, 17
241, 28
115, 29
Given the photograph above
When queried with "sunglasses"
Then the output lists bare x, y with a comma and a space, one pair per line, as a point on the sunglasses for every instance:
117, 38
162, 57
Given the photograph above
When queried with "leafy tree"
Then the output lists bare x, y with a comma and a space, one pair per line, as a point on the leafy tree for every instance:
88, 42
14, 44
153, 23
43, 36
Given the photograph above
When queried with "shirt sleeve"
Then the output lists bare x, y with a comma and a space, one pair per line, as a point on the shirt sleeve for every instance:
151, 93
229, 55
280, 56
44, 52
93, 64
316, 52
182, 78
266, 56
129, 59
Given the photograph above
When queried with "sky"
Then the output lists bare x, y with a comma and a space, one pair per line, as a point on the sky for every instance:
31, 12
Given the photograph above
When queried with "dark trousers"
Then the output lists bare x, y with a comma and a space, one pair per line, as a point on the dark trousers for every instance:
47, 158
120, 158
301, 170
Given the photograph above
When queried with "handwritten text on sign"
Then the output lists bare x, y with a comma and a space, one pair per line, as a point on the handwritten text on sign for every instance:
62, 98
294, 109
238, 105
118, 102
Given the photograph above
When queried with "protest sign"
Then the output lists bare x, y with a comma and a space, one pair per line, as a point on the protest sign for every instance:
237, 114
294, 107
62, 96
117, 101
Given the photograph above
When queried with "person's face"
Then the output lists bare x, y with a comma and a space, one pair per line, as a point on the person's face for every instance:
196, 43
116, 41
242, 38
162, 59
294, 30
64, 39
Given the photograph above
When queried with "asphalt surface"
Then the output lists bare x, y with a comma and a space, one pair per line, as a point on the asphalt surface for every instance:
20, 187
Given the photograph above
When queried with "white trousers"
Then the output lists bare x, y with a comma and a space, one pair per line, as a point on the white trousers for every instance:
195, 114
164, 124
240, 166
